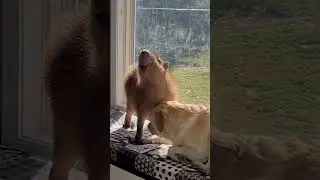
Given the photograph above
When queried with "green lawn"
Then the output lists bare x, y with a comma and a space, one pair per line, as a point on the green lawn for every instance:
192, 75
193, 85
267, 76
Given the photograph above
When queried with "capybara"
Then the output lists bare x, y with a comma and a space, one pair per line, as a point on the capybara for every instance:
146, 85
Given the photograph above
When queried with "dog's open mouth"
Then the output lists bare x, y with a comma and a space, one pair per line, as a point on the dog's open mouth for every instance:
142, 68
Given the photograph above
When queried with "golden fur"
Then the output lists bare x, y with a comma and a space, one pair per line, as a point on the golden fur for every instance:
186, 127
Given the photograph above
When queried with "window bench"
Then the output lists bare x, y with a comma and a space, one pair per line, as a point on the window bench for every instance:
146, 161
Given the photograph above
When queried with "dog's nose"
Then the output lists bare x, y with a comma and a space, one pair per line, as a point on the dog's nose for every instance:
144, 52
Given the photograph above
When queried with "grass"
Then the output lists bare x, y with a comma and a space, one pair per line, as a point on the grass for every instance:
192, 75
194, 62
267, 78
193, 85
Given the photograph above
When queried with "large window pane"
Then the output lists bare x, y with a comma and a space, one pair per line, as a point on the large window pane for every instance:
179, 30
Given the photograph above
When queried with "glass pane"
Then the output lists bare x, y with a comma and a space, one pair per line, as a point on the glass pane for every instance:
178, 30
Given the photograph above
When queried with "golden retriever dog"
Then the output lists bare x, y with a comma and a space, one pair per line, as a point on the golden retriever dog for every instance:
186, 127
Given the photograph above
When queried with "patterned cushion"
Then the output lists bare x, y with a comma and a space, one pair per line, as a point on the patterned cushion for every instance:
149, 159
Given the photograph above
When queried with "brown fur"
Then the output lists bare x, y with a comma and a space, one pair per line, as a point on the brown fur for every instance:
146, 88
186, 127
76, 87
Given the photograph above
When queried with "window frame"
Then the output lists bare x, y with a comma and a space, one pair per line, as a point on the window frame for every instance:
122, 49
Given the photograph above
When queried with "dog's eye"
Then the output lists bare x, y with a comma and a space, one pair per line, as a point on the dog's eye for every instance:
159, 61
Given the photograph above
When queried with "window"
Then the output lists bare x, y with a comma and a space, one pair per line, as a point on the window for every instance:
178, 30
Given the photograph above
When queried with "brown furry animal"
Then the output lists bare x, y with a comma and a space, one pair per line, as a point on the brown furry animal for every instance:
77, 86
186, 127
147, 85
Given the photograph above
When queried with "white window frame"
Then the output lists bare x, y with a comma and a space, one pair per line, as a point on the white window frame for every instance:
22, 85
122, 49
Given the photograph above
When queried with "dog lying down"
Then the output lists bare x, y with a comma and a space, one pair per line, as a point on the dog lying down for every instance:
184, 126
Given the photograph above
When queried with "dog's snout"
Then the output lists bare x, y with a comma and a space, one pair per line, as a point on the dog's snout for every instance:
144, 52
